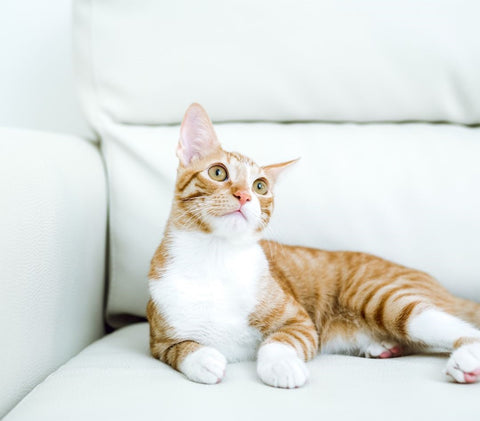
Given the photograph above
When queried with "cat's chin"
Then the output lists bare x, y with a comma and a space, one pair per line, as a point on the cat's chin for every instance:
232, 217
234, 226
237, 213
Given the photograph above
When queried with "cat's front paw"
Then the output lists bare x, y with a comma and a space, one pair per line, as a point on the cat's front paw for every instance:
205, 365
279, 366
463, 366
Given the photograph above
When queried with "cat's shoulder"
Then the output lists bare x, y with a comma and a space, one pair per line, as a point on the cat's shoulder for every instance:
275, 250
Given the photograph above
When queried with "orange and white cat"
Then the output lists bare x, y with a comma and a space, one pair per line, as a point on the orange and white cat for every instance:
221, 294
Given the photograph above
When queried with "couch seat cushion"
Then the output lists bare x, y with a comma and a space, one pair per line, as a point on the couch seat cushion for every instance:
115, 378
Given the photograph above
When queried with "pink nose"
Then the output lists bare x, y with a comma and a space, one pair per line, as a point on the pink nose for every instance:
243, 196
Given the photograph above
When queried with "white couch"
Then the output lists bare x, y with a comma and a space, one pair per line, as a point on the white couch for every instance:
380, 99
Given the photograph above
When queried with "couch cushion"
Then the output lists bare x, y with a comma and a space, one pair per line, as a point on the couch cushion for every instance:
406, 192
116, 379
144, 62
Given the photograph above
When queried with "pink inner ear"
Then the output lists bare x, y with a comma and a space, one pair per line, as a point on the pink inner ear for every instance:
197, 135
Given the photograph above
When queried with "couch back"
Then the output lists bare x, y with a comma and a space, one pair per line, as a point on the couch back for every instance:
389, 187
284, 60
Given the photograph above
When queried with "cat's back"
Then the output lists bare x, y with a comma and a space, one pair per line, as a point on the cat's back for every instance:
300, 266
317, 278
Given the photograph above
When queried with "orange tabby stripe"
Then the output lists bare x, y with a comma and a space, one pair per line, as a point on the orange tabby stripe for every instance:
176, 353
163, 344
465, 341
185, 180
403, 317
281, 319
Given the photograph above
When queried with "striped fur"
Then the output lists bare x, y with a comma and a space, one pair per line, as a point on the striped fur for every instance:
285, 302
163, 344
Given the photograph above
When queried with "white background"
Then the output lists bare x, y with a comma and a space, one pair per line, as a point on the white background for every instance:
37, 89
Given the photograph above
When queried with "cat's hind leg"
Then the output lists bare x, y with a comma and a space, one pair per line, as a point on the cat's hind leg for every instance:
416, 310
440, 331
346, 336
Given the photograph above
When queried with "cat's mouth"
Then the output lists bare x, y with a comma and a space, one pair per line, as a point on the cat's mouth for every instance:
238, 212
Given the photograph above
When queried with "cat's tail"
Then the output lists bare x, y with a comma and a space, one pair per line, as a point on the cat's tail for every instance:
468, 311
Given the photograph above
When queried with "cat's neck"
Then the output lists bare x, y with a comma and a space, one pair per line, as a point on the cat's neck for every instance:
187, 239
196, 253
234, 241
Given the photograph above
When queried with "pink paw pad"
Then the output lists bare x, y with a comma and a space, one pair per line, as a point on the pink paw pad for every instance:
395, 351
463, 366
384, 350
472, 377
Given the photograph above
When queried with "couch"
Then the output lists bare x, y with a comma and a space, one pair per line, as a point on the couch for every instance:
381, 100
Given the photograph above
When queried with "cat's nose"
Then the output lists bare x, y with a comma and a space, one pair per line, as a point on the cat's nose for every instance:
243, 196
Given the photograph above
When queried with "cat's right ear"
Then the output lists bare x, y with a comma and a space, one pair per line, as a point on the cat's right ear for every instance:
197, 136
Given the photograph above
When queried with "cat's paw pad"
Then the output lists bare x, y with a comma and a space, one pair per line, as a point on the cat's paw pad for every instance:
463, 366
279, 366
205, 365
384, 350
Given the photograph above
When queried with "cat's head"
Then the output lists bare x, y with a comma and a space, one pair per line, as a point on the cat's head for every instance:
219, 192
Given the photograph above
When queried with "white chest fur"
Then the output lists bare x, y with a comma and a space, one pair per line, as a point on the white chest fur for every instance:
208, 291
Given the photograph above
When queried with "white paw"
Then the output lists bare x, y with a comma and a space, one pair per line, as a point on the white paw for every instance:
205, 365
279, 366
383, 350
464, 364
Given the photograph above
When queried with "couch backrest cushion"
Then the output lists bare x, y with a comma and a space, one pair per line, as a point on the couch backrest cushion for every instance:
145, 61
406, 192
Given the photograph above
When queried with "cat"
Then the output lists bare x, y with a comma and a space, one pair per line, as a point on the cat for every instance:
219, 293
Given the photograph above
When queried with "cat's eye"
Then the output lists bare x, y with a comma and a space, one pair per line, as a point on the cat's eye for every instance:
260, 186
218, 172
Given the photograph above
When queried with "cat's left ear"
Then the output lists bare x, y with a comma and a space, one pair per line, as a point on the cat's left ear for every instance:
273, 171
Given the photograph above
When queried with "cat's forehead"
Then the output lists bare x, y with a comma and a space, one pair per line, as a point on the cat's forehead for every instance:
241, 165
236, 158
